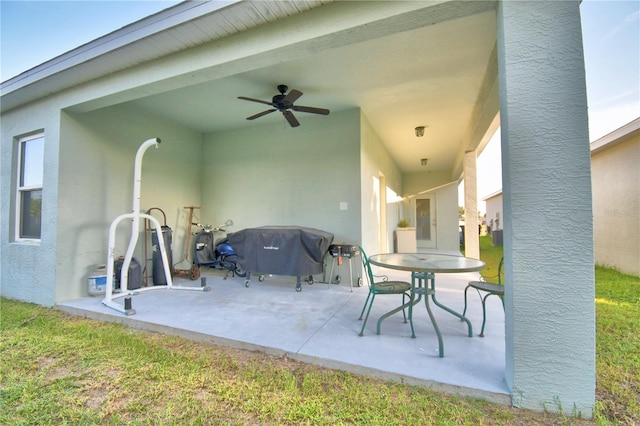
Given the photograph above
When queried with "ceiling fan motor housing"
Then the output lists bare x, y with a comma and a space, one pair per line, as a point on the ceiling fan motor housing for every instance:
279, 102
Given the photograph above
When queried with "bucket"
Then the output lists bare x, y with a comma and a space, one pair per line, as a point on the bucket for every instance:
97, 284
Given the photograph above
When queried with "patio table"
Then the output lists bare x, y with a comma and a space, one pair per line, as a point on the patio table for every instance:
423, 267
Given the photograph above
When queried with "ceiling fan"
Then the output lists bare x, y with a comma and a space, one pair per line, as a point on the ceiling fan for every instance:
284, 104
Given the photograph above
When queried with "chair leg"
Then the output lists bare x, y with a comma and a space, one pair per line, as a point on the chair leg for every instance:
373, 296
365, 305
484, 314
484, 309
465, 301
404, 314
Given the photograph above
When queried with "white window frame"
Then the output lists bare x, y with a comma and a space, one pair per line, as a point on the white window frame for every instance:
21, 188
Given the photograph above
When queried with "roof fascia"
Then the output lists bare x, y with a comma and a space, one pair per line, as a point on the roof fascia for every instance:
493, 195
616, 137
145, 27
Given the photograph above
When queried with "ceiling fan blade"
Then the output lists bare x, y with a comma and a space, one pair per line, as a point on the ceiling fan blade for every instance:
291, 118
312, 110
254, 100
260, 114
292, 96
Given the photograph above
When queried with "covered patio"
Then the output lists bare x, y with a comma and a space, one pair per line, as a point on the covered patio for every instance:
320, 325
383, 69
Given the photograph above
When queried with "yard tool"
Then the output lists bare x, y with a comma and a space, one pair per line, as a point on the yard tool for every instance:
194, 272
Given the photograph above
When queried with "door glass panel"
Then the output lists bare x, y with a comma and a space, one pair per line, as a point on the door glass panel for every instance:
423, 219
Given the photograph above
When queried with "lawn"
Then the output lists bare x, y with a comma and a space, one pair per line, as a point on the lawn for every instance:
491, 255
61, 369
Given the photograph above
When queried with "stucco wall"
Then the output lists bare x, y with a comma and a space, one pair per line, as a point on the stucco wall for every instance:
375, 161
417, 183
256, 176
273, 174
615, 179
27, 267
445, 193
97, 156
548, 236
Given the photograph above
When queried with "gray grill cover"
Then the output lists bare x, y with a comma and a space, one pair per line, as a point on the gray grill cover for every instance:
281, 250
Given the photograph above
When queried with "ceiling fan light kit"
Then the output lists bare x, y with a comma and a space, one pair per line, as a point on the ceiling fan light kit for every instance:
285, 104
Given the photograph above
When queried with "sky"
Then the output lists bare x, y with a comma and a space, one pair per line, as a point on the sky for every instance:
611, 41
34, 31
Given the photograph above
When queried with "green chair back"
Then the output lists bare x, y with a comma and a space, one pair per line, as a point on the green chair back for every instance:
367, 268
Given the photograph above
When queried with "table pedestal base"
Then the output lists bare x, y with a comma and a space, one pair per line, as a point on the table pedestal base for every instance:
419, 287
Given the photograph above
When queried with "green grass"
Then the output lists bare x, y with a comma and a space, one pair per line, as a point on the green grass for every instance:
491, 255
617, 339
61, 369
618, 346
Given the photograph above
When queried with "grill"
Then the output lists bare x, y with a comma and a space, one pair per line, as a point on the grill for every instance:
347, 251
281, 250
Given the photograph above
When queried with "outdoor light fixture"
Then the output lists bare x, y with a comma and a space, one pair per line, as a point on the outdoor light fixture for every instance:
420, 131
423, 161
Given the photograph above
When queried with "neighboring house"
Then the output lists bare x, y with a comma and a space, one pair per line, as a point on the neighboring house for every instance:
615, 175
494, 216
70, 129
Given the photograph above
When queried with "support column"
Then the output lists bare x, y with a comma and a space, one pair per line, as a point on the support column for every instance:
471, 235
548, 233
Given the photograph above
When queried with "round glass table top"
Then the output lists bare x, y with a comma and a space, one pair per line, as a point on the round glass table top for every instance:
427, 262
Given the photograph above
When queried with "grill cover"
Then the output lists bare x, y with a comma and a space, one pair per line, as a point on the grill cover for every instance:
281, 250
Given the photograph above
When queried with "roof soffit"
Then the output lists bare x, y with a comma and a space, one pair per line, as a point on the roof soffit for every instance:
186, 25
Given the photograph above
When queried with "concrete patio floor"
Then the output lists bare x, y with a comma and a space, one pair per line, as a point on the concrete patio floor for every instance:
320, 325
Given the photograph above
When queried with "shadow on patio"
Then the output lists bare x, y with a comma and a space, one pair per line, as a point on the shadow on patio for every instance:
320, 325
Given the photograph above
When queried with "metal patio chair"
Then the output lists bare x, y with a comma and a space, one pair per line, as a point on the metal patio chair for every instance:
383, 286
489, 289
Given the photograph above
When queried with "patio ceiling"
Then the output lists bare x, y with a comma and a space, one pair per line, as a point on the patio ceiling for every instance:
428, 76
404, 64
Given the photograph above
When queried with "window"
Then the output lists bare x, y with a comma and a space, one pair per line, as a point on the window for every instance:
29, 187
